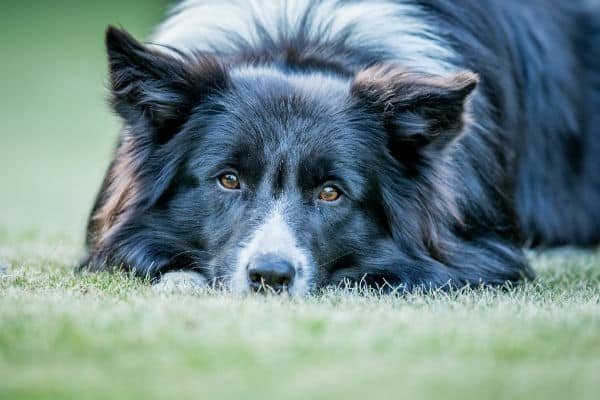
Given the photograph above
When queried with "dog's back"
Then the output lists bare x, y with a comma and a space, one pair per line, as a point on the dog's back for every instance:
558, 173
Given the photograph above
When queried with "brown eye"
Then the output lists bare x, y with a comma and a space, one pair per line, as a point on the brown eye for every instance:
229, 181
329, 193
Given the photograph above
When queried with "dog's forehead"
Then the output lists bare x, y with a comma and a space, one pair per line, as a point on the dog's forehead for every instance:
265, 80
273, 125
267, 111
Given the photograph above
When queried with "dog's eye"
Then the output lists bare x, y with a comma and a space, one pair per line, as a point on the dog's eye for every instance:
329, 193
229, 181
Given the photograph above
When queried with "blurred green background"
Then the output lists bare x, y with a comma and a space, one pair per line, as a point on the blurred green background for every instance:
56, 129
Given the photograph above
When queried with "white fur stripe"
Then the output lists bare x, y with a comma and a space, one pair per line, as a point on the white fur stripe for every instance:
400, 29
273, 236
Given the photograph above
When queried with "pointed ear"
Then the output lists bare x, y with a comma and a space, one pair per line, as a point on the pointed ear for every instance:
155, 91
420, 112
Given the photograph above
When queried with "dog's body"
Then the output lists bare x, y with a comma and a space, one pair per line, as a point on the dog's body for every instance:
303, 143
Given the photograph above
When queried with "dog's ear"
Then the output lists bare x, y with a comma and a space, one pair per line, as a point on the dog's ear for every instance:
422, 113
155, 91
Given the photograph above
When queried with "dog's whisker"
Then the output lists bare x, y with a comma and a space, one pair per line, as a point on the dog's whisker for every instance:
335, 259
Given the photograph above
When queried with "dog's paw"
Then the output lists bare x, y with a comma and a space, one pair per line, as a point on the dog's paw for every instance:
180, 282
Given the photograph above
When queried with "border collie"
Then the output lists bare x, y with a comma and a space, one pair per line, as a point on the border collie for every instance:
292, 145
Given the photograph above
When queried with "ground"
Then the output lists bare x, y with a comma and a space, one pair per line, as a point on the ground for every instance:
67, 336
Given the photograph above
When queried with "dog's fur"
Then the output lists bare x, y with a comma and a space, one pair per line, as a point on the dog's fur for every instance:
457, 131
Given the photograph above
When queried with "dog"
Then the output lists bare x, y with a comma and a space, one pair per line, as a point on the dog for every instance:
287, 146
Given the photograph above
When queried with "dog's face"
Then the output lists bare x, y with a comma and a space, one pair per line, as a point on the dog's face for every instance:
282, 181
284, 193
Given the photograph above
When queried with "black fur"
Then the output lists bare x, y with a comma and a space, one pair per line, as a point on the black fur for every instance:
444, 178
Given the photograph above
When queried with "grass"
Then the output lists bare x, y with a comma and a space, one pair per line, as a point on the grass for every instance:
64, 336
110, 336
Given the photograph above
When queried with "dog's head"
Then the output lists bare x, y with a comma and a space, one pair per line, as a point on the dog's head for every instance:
261, 176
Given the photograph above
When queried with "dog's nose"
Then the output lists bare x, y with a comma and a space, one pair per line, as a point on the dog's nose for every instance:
270, 273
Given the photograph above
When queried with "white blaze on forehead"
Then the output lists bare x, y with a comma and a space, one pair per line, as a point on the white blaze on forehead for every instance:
273, 236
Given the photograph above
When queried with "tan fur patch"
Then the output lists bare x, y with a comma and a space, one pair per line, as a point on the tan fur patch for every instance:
119, 192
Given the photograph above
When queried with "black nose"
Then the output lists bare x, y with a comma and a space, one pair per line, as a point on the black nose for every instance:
270, 273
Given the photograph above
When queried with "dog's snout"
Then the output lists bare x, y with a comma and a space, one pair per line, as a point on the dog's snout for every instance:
271, 273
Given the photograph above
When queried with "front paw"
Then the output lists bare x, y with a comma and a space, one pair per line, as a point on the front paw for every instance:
180, 282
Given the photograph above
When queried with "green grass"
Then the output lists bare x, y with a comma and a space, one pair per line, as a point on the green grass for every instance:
110, 336
64, 336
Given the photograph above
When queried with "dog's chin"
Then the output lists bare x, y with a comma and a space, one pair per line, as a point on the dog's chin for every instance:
190, 282
299, 289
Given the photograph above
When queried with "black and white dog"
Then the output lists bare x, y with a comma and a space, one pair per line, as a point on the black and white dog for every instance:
402, 143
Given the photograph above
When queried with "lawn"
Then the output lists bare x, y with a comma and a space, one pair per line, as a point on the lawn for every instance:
67, 336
